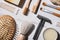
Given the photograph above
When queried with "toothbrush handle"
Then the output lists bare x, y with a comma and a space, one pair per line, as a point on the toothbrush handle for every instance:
58, 8
52, 6
58, 15
26, 6
35, 6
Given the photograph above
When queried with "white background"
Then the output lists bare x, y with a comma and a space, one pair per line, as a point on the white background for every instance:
32, 18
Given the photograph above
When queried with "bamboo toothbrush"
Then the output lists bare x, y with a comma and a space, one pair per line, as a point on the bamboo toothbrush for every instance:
26, 7
52, 6
36, 6
48, 11
26, 29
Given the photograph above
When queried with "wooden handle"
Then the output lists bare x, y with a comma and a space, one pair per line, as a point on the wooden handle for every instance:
22, 37
52, 6
35, 6
58, 8
26, 6
58, 15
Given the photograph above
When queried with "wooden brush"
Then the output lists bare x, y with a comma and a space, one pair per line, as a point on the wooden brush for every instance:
7, 27
26, 7
26, 29
48, 11
36, 6
52, 6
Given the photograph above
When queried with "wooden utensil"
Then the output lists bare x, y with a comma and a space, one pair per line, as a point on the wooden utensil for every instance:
52, 6
36, 6
26, 7
50, 12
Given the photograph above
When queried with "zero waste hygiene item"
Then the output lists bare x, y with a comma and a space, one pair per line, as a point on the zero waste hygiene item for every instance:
18, 3
52, 6
50, 12
7, 7
36, 6
56, 2
25, 8
26, 29
40, 26
7, 27
50, 34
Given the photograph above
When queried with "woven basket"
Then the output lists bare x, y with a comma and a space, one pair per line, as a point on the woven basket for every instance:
7, 27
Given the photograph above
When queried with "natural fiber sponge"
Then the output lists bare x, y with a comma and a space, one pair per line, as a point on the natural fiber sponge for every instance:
7, 27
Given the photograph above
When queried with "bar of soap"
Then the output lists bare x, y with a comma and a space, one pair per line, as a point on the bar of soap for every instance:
50, 34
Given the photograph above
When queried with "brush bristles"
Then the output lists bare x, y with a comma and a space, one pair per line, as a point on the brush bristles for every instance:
7, 27
26, 28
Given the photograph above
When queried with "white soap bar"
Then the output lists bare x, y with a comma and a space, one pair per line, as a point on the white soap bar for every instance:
7, 7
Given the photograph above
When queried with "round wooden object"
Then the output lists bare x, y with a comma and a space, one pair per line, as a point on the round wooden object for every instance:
7, 27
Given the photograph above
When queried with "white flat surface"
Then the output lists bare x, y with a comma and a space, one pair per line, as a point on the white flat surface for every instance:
32, 18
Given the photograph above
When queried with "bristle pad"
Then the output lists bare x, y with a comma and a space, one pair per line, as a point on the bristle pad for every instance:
7, 27
26, 27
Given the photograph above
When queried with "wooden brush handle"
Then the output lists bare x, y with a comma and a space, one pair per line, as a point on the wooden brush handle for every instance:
22, 37
34, 8
58, 8
52, 6
58, 15
26, 6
